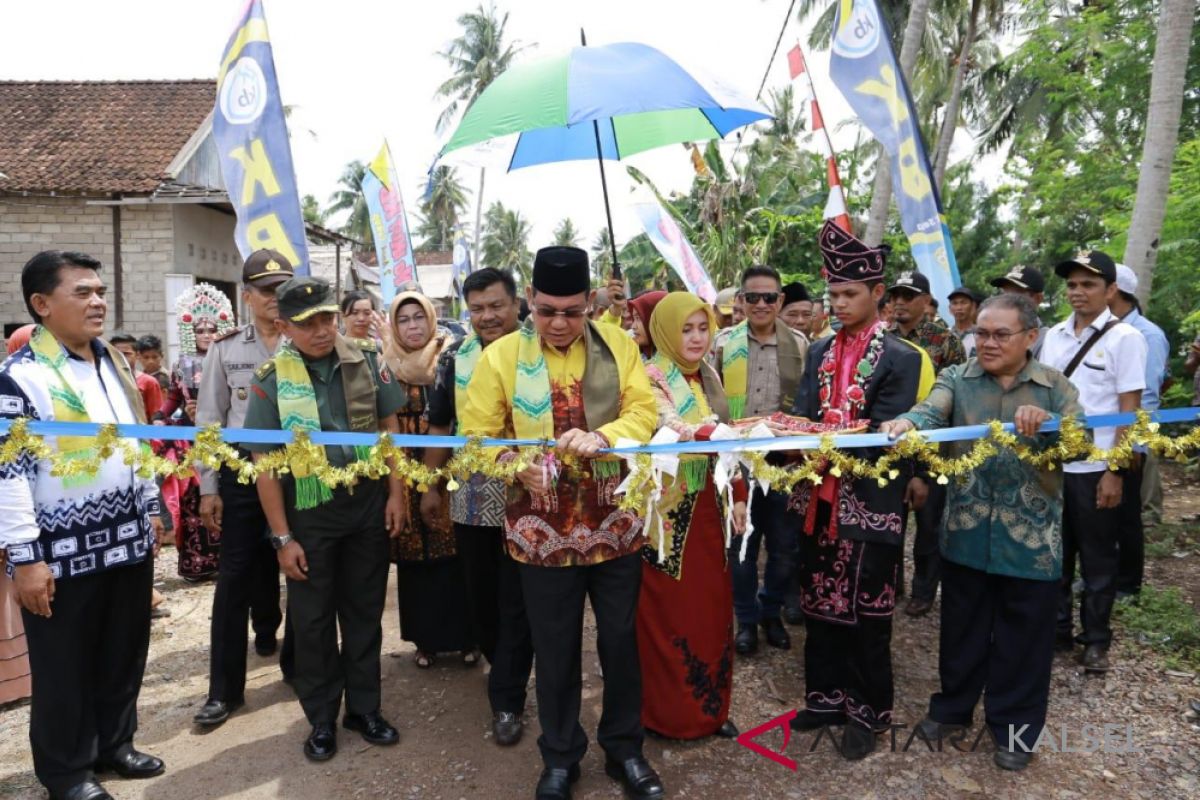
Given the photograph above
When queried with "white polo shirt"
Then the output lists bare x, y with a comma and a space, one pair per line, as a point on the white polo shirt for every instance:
1115, 364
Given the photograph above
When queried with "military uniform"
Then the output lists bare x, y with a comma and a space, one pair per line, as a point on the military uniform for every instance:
345, 540
247, 571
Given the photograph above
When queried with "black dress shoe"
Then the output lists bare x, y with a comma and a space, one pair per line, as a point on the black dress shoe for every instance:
917, 607
507, 728
215, 712
266, 646
777, 635
1012, 760
321, 744
933, 731
858, 742
555, 783
792, 615
746, 641
373, 727
728, 730
88, 790
1095, 658
637, 777
129, 763
808, 720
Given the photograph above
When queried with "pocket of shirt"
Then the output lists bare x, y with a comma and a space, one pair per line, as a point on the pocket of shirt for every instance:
1097, 367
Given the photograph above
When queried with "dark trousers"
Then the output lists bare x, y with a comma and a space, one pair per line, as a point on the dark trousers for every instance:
346, 546
1131, 535
779, 529
997, 639
927, 559
498, 619
554, 598
87, 662
1090, 533
247, 589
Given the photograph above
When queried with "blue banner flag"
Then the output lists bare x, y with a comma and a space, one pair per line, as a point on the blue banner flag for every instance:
864, 67
389, 224
252, 141
462, 266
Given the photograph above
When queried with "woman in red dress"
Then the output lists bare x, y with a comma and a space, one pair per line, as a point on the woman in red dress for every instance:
685, 612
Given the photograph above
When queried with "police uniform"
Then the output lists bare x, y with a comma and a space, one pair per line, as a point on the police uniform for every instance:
248, 573
345, 540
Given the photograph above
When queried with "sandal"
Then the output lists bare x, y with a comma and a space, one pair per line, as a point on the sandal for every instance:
470, 657
424, 660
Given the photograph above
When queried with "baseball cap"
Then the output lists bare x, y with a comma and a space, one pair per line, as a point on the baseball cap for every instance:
967, 292
912, 282
1029, 278
725, 299
1093, 261
1127, 280
266, 268
303, 297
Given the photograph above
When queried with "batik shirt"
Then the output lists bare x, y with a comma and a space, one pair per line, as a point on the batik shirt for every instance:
937, 340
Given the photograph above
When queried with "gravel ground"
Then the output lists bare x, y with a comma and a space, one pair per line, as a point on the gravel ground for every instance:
446, 751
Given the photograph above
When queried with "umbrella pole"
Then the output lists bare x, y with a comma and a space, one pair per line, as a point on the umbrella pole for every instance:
612, 240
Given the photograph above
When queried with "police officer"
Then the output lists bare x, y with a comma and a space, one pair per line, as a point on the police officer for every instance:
332, 545
248, 574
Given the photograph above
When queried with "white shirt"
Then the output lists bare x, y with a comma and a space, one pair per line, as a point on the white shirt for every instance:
1115, 364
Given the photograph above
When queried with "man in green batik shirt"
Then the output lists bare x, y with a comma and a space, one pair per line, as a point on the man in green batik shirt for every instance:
1001, 538
332, 545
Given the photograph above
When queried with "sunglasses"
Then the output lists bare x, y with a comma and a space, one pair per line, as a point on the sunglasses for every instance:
754, 298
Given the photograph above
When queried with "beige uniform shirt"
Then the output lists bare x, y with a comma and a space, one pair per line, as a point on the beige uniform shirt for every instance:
224, 395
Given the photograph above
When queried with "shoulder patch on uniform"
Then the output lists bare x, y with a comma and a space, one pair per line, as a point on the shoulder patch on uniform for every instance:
227, 334
366, 345
266, 369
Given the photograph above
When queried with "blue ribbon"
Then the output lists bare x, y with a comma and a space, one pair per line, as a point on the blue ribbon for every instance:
844, 441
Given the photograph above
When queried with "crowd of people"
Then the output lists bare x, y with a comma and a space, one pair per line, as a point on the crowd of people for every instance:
499, 571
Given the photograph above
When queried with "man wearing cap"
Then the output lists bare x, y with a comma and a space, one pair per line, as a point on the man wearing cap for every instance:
927, 499
964, 305
1143, 486
851, 532
247, 572
332, 545
1106, 360
723, 306
760, 364
581, 385
1027, 281
797, 309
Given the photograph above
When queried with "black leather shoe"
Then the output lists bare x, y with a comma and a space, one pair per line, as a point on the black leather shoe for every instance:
266, 646
215, 712
129, 763
555, 783
321, 744
637, 777
777, 635
1095, 658
88, 790
807, 720
1012, 760
858, 742
373, 727
746, 641
933, 731
793, 616
507, 728
917, 607
728, 730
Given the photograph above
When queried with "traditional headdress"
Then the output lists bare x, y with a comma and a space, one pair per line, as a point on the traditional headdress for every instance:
561, 271
848, 259
202, 303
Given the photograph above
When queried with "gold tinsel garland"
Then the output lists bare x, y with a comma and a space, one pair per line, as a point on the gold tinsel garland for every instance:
473, 458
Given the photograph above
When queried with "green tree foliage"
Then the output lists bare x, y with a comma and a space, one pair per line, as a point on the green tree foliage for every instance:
506, 241
443, 202
349, 199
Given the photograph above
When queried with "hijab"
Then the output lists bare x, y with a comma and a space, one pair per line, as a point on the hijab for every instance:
643, 305
415, 367
666, 326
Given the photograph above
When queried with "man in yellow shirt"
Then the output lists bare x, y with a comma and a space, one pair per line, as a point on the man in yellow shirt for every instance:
581, 385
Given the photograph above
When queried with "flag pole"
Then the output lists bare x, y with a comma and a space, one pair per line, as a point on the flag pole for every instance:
612, 240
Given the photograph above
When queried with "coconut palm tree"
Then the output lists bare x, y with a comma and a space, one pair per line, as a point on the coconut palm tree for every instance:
1167, 84
476, 58
566, 234
445, 199
349, 197
506, 240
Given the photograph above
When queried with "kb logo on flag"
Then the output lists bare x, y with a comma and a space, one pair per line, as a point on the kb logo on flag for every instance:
244, 92
858, 34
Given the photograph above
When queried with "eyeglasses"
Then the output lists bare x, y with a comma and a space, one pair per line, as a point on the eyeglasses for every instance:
568, 313
999, 337
754, 298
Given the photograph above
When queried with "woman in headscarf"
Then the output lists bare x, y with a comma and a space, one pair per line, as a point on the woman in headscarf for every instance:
432, 589
641, 307
685, 627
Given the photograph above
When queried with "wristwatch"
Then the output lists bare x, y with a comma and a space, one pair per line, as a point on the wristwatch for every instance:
280, 542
